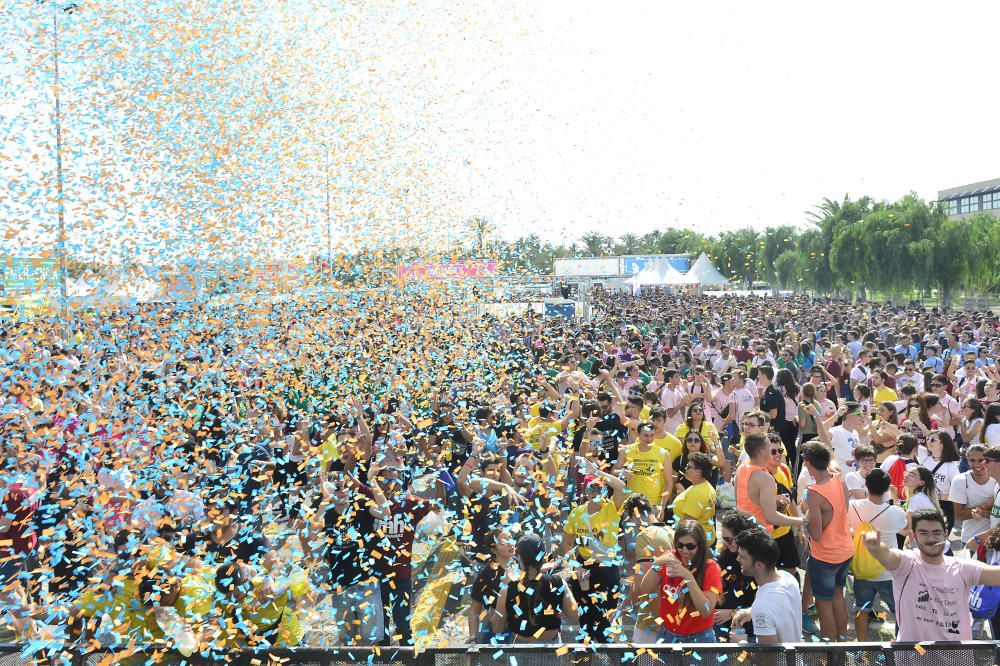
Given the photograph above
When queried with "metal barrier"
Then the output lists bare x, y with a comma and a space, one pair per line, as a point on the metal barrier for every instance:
981, 653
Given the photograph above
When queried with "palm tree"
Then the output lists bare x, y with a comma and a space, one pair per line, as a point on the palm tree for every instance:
596, 244
630, 244
480, 228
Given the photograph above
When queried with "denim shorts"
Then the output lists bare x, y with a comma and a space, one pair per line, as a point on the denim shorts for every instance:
827, 578
865, 591
669, 637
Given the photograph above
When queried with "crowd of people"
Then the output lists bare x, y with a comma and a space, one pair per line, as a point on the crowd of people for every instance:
370, 469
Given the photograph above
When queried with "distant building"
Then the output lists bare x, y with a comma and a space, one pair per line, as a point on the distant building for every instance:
962, 201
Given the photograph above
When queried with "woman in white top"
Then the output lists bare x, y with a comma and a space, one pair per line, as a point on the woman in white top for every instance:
827, 406
991, 425
943, 462
971, 425
920, 494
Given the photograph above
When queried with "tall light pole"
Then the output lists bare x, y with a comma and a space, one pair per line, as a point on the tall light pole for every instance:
60, 201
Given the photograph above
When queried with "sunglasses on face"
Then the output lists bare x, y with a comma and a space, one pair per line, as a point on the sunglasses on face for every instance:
692, 440
775, 452
697, 410
726, 539
687, 546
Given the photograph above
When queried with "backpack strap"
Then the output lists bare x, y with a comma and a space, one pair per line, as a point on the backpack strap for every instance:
872, 521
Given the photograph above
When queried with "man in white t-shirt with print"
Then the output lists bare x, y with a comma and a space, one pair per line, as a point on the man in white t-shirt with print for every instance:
973, 493
776, 610
844, 437
888, 520
947, 410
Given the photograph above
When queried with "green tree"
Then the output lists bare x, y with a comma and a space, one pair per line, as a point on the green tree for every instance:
479, 229
830, 218
630, 244
790, 268
681, 241
596, 244
734, 254
984, 239
774, 241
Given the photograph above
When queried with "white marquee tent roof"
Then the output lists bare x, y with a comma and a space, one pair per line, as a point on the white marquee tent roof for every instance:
704, 272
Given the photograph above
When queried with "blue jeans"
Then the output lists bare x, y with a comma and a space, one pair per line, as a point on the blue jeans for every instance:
707, 636
827, 578
866, 590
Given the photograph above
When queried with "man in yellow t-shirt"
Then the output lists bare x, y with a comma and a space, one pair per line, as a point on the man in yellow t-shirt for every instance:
662, 437
697, 503
543, 425
647, 468
592, 529
880, 392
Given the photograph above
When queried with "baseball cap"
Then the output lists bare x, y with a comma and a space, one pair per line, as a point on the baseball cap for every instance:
530, 549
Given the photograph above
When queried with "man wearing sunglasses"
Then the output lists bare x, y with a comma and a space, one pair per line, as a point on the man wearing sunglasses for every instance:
349, 518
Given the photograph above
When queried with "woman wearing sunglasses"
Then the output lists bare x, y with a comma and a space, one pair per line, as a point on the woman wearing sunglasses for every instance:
738, 591
688, 583
697, 424
693, 443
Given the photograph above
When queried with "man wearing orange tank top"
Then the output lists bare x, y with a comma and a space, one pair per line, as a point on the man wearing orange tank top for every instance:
830, 545
756, 490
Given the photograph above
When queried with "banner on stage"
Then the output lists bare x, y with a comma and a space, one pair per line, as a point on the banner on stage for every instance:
462, 269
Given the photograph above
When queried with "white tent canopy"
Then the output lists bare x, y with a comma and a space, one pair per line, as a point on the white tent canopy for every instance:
704, 272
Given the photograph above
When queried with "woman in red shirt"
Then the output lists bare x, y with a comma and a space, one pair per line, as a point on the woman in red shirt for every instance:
688, 583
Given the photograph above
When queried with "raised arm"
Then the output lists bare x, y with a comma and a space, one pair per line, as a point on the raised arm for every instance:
616, 484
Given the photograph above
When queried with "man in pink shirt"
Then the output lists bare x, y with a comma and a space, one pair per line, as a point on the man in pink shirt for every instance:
931, 590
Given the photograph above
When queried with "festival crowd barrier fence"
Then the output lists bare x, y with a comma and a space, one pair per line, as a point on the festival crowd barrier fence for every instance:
975, 653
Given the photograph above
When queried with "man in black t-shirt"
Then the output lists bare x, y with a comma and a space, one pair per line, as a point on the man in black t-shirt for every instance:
349, 527
772, 402
612, 429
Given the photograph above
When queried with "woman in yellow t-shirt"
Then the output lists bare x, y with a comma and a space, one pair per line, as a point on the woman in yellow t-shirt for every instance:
591, 531
697, 423
697, 503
